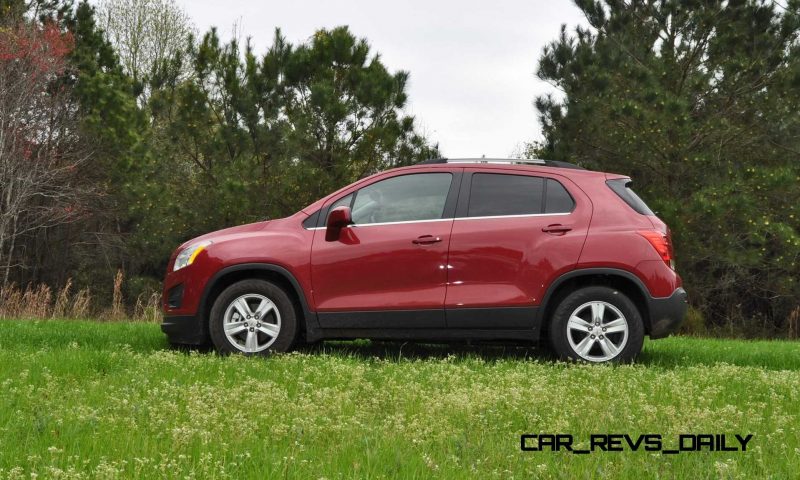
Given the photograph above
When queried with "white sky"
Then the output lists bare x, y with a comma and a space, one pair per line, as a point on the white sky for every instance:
471, 63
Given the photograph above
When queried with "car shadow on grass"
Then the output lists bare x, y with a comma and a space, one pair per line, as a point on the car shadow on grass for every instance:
678, 352
675, 352
406, 350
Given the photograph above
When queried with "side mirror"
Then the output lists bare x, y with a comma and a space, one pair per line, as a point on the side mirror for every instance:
338, 218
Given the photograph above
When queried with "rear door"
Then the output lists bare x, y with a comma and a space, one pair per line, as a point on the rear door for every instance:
514, 231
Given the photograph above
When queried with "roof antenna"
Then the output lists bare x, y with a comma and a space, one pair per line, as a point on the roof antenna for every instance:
483, 156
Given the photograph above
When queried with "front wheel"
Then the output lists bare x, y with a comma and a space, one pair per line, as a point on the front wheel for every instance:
253, 317
597, 324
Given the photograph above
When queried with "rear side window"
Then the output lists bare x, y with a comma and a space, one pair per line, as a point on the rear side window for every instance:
622, 187
495, 194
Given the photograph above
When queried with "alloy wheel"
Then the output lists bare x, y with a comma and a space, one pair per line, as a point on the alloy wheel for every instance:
597, 331
252, 323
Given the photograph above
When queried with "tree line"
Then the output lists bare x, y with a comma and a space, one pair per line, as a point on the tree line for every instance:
699, 101
124, 132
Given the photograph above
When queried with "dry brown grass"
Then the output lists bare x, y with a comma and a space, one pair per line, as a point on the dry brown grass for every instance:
38, 302
61, 307
148, 308
81, 304
117, 310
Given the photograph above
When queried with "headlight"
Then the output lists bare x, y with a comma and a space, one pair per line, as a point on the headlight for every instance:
188, 254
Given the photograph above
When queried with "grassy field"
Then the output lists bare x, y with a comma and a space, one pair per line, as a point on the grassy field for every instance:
108, 400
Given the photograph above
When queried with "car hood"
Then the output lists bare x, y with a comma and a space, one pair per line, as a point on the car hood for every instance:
230, 233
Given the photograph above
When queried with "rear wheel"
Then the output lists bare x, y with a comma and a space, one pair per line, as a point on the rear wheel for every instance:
253, 317
597, 324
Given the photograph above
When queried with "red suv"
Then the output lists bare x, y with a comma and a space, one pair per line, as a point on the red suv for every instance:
440, 251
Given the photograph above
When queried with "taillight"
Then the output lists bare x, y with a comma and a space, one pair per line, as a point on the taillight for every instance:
662, 244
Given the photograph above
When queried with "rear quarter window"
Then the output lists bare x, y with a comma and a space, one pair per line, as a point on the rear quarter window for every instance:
557, 199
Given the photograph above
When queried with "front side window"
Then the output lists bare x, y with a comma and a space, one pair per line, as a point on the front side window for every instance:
311, 220
346, 201
406, 198
496, 194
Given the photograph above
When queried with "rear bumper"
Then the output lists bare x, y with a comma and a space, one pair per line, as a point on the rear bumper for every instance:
666, 314
184, 330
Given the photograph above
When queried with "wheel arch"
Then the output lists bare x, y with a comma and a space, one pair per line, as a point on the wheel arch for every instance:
622, 280
264, 271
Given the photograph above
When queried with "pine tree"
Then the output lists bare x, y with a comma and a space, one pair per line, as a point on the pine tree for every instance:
698, 101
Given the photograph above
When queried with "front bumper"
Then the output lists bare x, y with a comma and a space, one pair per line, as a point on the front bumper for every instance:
666, 314
184, 330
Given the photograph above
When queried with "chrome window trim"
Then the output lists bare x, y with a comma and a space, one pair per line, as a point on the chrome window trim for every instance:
516, 216
362, 225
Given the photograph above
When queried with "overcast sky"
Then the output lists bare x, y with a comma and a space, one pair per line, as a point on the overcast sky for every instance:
472, 63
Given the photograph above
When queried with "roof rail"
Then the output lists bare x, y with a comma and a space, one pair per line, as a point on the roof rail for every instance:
506, 161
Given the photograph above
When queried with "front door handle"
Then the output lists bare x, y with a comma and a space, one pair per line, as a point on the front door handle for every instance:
556, 229
426, 240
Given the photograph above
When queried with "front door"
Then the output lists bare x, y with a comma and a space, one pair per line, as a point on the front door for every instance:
388, 269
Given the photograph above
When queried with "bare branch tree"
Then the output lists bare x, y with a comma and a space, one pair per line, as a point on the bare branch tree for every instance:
40, 148
145, 33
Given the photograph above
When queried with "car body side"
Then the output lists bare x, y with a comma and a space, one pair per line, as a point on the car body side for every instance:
599, 249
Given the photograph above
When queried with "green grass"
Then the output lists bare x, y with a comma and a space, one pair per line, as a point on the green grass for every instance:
107, 400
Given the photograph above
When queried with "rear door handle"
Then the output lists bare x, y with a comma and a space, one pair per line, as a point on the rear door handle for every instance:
556, 229
426, 240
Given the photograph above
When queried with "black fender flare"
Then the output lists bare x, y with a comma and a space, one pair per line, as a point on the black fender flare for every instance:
310, 316
586, 272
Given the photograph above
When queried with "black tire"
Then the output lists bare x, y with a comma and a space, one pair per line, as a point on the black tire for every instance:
559, 332
283, 304
544, 349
